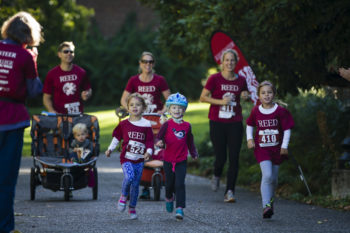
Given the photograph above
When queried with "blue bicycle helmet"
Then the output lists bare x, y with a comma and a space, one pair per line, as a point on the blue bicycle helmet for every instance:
176, 99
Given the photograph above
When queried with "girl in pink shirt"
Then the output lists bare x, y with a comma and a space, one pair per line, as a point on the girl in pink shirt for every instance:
177, 137
273, 125
137, 136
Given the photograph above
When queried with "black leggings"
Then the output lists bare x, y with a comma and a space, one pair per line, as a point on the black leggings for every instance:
223, 136
175, 182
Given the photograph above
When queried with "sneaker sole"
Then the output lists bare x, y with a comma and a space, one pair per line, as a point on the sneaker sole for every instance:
268, 214
230, 201
179, 217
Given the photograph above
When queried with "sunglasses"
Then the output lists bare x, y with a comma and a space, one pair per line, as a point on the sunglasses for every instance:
147, 61
67, 51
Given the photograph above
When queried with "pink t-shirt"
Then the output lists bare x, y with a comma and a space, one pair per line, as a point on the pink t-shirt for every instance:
136, 140
220, 87
269, 132
16, 65
178, 140
150, 91
65, 87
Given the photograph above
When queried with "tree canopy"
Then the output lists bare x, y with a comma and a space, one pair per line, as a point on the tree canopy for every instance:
296, 42
62, 20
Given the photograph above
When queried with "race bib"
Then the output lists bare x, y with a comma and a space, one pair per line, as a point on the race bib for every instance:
268, 137
72, 108
135, 150
227, 111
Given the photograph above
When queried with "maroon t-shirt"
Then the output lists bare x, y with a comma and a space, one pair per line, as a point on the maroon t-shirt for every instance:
150, 91
219, 88
269, 132
136, 140
65, 87
16, 65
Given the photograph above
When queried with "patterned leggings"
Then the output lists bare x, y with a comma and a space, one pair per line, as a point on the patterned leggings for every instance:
132, 176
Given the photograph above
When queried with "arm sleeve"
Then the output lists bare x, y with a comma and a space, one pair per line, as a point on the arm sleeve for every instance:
162, 131
286, 138
113, 144
249, 132
149, 141
86, 82
191, 145
163, 84
129, 86
34, 87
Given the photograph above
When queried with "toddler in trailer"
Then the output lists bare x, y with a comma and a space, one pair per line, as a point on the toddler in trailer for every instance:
273, 129
81, 148
137, 145
176, 135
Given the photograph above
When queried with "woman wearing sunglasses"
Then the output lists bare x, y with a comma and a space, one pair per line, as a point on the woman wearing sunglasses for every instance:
150, 85
67, 84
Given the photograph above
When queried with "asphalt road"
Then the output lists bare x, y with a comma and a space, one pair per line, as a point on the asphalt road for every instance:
205, 212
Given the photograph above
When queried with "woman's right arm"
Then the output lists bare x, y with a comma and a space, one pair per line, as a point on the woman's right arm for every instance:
124, 98
206, 98
47, 101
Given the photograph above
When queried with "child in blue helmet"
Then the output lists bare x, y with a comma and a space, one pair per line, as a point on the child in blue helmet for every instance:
176, 135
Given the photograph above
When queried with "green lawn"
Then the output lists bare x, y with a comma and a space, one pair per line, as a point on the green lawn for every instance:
196, 114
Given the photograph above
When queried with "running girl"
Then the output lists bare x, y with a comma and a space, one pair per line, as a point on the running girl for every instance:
273, 128
137, 136
177, 137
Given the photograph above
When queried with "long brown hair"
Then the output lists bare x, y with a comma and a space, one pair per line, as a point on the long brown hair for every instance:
22, 28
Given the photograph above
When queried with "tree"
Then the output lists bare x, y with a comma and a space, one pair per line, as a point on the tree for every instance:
298, 40
62, 20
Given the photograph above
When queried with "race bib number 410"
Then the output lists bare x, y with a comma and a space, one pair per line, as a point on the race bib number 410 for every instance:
268, 137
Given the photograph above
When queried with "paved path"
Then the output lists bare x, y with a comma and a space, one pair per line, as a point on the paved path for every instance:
205, 212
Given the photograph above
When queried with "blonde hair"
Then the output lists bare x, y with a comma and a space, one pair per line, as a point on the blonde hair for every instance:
22, 28
66, 44
136, 96
145, 53
274, 90
233, 52
267, 83
80, 127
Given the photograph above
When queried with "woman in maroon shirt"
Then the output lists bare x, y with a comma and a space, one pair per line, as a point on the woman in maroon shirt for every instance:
223, 91
18, 81
150, 85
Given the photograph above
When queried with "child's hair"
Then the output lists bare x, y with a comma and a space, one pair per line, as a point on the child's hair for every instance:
66, 44
80, 127
235, 55
267, 83
137, 96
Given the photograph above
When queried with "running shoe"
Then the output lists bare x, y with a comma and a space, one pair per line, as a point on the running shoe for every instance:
179, 213
121, 204
169, 205
229, 197
267, 211
215, 183
132, 213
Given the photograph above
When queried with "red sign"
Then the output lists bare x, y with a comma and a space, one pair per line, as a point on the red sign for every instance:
219, 43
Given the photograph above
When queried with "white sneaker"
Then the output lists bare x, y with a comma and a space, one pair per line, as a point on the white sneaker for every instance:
133, 214
229, 197
121, 205
215, 183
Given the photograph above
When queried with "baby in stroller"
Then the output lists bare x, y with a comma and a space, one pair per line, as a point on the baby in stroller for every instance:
81, 148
